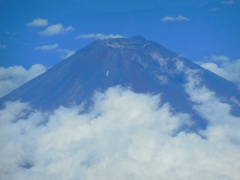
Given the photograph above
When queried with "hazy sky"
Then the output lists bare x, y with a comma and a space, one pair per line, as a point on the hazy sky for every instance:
45, 31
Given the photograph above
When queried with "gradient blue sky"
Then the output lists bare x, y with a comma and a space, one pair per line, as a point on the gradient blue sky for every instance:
194, 29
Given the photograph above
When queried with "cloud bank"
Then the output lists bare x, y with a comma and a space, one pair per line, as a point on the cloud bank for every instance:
14, 76
172, 18
99, 36
38, 22
125, 135
224, 67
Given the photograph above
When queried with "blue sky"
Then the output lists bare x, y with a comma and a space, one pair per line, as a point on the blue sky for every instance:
66, 144
195, 30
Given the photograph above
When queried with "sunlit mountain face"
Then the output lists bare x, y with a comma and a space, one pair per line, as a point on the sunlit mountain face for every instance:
124, 108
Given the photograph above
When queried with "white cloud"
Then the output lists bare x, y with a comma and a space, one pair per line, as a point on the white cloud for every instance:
99, 36
56, 29
51, 30
224, 67
38, 22
228, 2
14, 76
54, 48
172, 18
3, 46
125, 136
65, 53
220, 58
47, 47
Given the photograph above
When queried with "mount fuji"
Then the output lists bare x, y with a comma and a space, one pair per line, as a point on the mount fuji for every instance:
125, 108
141, 65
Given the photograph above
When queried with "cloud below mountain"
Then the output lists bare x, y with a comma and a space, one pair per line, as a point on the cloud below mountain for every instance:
125, 135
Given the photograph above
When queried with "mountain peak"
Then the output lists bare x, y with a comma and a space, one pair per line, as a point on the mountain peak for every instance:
137, 38
132, 42
132, 38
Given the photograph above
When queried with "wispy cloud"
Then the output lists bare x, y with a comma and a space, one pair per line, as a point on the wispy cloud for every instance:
56, 29
219, 58
54, 48
3, 46
214, 9
228, 2
47, 47
64, 53
176, 18
38, 22
99, 36
224, 67
14, 76
10, 33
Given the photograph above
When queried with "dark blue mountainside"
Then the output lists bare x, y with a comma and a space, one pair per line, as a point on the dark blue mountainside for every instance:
144, 66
